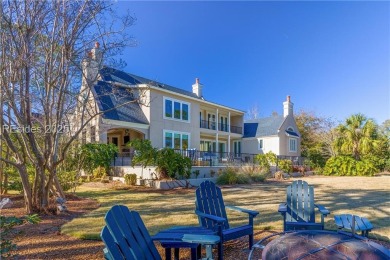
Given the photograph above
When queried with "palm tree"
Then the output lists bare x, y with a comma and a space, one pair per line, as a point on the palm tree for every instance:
357, 137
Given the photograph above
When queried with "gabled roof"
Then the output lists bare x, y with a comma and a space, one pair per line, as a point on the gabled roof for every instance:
263, 126
110, 74
118, 103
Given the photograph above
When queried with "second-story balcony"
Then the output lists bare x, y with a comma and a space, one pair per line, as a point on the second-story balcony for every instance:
220, 127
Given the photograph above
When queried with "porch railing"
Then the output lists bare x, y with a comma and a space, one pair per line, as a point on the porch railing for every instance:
206, 158
220, 127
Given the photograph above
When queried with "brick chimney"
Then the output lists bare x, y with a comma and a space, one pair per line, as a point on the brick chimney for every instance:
197, 88
288, 107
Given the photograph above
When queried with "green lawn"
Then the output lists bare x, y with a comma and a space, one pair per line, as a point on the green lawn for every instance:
364, 196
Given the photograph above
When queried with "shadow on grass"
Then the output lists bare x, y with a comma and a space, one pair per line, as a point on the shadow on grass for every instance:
164, 209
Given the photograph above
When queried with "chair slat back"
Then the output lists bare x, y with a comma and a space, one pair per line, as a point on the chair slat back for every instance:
209, 200
300, 202
130, 233
114, 251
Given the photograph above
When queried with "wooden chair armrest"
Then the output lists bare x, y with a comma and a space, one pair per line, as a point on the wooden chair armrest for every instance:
282, 208
322, 209
250, 212
211, 217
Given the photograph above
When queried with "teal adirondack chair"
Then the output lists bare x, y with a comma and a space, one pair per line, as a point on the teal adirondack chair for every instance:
299, 210
211, 212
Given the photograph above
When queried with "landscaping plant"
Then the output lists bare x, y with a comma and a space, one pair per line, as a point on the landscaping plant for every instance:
285, 165
6, 228
130, 179
97, 155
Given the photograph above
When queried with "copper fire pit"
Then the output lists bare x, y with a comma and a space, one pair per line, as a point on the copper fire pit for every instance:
318, 244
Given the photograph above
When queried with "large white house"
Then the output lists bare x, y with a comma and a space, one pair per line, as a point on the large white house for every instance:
134, 107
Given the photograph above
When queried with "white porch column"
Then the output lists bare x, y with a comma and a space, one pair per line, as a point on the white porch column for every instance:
216, 144
229, 126
228, 144
217, 119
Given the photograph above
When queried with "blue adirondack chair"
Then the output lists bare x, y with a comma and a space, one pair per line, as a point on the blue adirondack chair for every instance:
211, 212
126, 237
299, 210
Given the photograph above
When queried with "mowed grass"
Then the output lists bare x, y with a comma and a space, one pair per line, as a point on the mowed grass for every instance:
365, 196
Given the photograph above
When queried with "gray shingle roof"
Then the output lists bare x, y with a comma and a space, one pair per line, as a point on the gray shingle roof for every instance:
263, 126
118, 103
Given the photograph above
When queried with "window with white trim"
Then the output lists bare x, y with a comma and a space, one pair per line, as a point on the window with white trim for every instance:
176, 140
261, 144
292, 145
176, 109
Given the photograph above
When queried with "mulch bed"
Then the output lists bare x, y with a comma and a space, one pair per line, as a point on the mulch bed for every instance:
45, 241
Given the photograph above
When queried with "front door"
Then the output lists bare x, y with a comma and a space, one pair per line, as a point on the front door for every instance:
113, 140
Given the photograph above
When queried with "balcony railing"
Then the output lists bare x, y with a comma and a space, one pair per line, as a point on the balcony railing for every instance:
221, 127
203, 158
236, 129
207, 124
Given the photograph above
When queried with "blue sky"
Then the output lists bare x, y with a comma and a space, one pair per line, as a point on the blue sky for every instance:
332, 58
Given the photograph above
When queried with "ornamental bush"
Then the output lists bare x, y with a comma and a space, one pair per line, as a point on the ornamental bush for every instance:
285, 165
243, 175
266, 160
99, 173
173, 165
348, 166
95, 155
130, 179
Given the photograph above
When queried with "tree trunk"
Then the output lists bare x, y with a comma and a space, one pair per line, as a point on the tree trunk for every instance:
58, 186
26, 190
5, 189
1, 177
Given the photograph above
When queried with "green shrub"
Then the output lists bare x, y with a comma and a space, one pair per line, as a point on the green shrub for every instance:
172, 165
387, 165
99, 173
130, 179
14, 180
271, 157
255, 173
145, 154
377, 162
68, 179
231, 176
228, 176
285, 166
263, 162
258, 177
266, 160
97, 155
348, 166
315, 159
